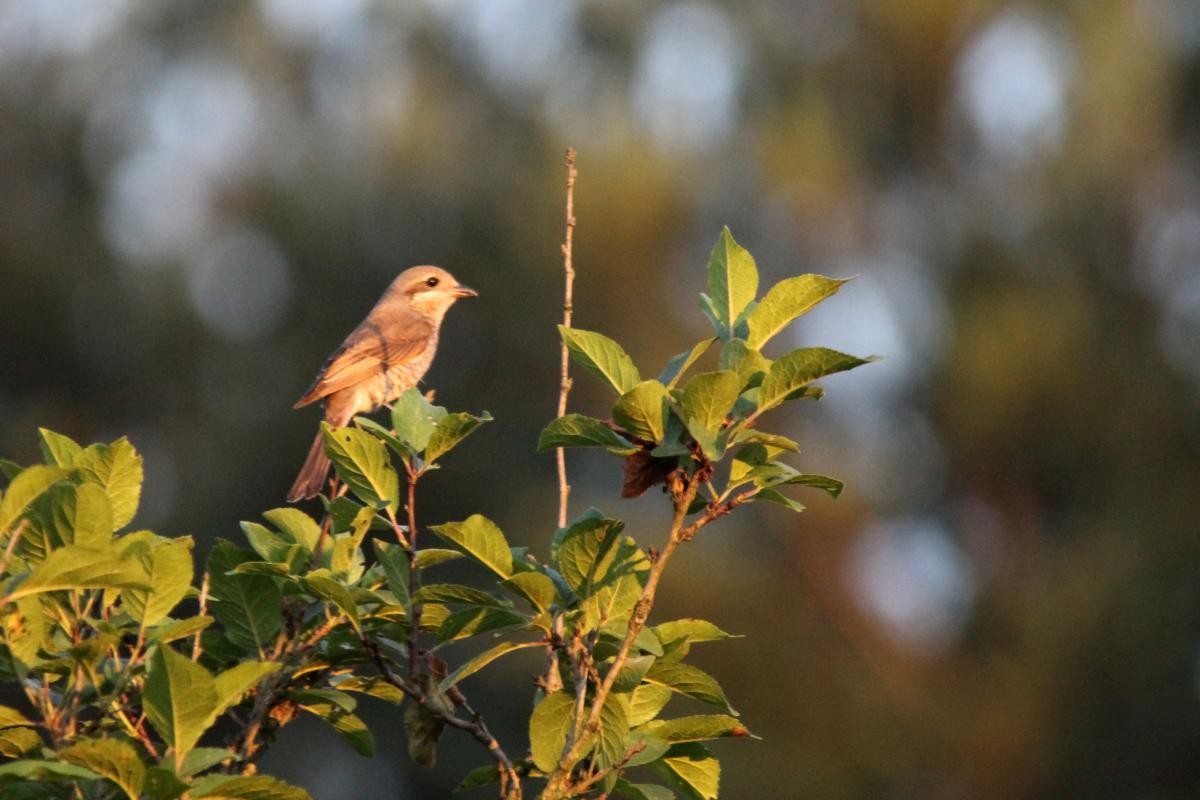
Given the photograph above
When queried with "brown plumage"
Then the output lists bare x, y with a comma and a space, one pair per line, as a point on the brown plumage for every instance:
381, 358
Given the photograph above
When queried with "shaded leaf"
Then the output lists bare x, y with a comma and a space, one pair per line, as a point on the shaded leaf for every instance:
248, 606
450, 431
394, 561
679, 364
114, 759
474, 620
482, 660
750, 365
454, 593
577, 430
18, 742
234, 683
691, 681
641, 791
203, 758
321, 585
774, 496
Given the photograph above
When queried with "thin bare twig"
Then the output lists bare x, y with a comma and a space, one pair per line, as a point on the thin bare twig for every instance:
203, 611
414, 578
12, 544
564, 387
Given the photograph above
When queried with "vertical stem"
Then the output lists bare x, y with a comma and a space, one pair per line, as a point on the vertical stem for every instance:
564, 387
203, 610
414, 579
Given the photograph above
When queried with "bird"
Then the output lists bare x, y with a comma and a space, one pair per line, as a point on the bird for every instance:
387, 354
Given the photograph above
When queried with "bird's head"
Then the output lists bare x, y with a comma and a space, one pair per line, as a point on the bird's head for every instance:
430, 290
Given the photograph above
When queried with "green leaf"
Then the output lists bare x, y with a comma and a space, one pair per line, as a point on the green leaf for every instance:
248, 606
180, 700
536, 587
118, 468
576, 430
18, 742
362, 462
787, 300
114, 759
613, 732
587, 552
774, 496
690, 681
11, 718
482, 660
690, 630
267, 543
478, 537
24, 489
695, 729
172, 631
256, 787
732, 282
641, 791
679, 364
203, 758
643, 411
37, 770
297, 526
632, 672
24, 629
163, 784
548, 726
754, 436
798, 368
335, 708
321, 585
76, 567
708, 398
58, 450
84, 515
475, 620
456, 594
395, 567
415, 418
601, 356
169, 565
432, 556
450, 431
691, 769
750, 365
234, 683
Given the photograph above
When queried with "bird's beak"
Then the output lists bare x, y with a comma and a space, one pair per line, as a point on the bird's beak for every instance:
465, 291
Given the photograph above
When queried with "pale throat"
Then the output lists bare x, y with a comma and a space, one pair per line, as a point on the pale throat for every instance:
431, 305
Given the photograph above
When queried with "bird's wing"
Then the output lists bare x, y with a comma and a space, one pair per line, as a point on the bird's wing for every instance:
372, 349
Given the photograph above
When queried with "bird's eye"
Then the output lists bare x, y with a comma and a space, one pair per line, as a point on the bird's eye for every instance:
431, 282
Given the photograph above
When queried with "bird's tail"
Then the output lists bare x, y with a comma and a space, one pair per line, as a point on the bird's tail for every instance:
312, 474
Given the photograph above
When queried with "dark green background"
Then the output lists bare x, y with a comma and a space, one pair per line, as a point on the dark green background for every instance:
199, 200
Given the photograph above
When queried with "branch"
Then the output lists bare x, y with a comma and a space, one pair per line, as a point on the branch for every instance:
510, 781
683, 492
564, 387
16, 537
414, 578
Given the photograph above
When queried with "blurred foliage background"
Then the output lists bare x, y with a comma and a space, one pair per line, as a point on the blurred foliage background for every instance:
201, 199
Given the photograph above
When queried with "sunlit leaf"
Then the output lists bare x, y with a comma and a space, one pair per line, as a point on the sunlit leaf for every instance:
180, 699
548, 726
643, 411
415, 418
798, 368
483, 659
696, 728
478, 537
118, 468
691, 681
784, 302
602, 357
24, 489
680, 364
169, 566
732, 282
114, 759
362, 462
690, 768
